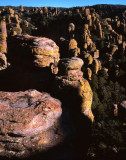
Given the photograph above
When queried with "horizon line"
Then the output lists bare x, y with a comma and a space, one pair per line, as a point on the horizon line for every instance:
61, 6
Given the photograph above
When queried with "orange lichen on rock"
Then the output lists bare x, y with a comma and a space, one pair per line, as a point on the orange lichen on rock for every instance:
89, 58
89, 73
41, 51
70, 74
33, 125
72, 44
87, 95
3, 36
11, 11
17, 29
86, 26
73, 49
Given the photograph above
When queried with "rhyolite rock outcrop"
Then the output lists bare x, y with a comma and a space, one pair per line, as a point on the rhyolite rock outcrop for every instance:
3, 36
70, 75
3, 44
29, 122
32, 51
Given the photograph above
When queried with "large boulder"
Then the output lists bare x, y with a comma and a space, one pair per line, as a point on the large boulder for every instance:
71, 69
32, 51
29, 122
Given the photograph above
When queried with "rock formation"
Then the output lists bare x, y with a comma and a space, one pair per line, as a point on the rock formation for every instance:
73, 49
3, 36
21, 8
3, 61
32, 51
3, 45
70, 75
87, 39
29, 123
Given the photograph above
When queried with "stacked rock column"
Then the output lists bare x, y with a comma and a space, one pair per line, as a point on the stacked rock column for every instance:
3, 44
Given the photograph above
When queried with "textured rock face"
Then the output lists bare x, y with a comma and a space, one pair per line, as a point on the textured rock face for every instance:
3, 45
3, 36
3, 61
89, 73
71, 64
32, 51
17, 30
73, 49
88, 58
71, 27
29, 122
87, 95
70, 75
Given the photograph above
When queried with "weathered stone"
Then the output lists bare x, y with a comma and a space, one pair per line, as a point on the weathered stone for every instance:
88, 58
72, 44
86, 26
100, 30
33, 51
87, 11
21, 8
26, 23
3, 61
96, 66
73, 49
3, 36
109, 27
70, 64
45, 9
17, 29
95, 54
71, 27
70, 75
89, 73
114, 48
29, 122
11, 11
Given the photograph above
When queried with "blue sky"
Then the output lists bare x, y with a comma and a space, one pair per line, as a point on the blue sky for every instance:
59, 3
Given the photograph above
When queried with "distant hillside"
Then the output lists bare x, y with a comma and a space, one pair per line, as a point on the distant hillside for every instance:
111, 11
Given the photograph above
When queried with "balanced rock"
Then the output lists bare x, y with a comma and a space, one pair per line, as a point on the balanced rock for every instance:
29, 122
70, 75
71, 68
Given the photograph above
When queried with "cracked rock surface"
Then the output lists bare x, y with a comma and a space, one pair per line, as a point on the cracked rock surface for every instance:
29, 122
